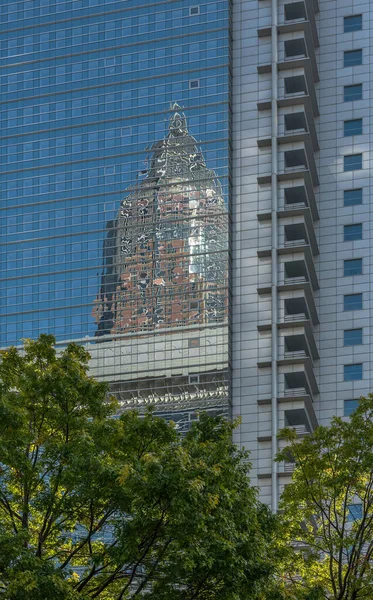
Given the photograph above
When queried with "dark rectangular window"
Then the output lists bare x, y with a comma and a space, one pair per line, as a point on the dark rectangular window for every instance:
352, 233
353, 92
352, 162
355, 512
353, 302
194, 10
353, 372
353, 197
353, 127
194, 84
353, 23
349, 407
352, 337
353, 58
353, 266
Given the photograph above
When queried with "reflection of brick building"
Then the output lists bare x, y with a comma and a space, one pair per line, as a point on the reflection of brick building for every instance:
165, 255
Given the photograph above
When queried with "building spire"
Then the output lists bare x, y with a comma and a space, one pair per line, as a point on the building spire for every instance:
178, 123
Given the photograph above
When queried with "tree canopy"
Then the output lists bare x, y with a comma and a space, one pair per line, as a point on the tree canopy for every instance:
328, 510
98, 506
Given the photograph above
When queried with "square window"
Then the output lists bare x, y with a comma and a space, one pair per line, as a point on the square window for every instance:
353, 58
194, 343
194, 84
353, 92
353, 372
193, 378
353, 302
349, 407
353, 197
352, 233
352, 162
352, 337
353, 23
353, 267
194, 10
353, 127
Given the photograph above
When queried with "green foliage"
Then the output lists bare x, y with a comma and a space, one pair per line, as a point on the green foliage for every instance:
329, 550
93, 506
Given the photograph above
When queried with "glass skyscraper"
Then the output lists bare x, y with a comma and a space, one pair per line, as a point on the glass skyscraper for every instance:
115, 122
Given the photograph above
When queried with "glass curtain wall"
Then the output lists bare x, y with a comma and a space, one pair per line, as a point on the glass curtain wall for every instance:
115, 191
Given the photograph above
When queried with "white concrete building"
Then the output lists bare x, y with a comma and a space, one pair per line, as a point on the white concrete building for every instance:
302, 220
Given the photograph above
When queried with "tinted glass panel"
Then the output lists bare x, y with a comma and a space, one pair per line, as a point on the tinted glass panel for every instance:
353, 302
353, 127
353, 266
353, 23
350, 406
353, 372
353, 162
115, 190
355, 512
352, 337
353, 92
353, 58
353, 197
353, 232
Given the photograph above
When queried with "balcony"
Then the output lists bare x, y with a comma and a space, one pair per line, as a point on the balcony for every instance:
298, 52
295, 127
295, 201
296, 89
298, 163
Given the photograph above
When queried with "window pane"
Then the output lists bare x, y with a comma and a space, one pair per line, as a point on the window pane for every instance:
353, 232
353, 337
353, 162
353, 267
353, 302
349, 407
355, 512
353, 372
353, 127
353, 58
353, 197
353, 23
353, 92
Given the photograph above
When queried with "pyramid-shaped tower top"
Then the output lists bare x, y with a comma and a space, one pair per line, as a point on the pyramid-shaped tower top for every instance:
178, 123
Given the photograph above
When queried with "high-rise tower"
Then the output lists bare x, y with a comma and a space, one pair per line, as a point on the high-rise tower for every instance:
222, 242
301, 220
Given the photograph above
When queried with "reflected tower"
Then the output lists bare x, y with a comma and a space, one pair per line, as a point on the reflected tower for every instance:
162, 307
165, 255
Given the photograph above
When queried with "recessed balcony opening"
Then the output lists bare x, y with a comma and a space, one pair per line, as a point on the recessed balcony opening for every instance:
295, 49
295, 85
295, 345
295, 12
296, 384
295, 122
296, 309
295, 159
295, 270
295, 234
297, 418
295, 196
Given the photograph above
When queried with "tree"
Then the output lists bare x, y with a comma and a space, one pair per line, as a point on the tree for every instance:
93, 506
328, 509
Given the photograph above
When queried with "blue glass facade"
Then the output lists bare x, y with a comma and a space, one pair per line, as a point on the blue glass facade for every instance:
94, 96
